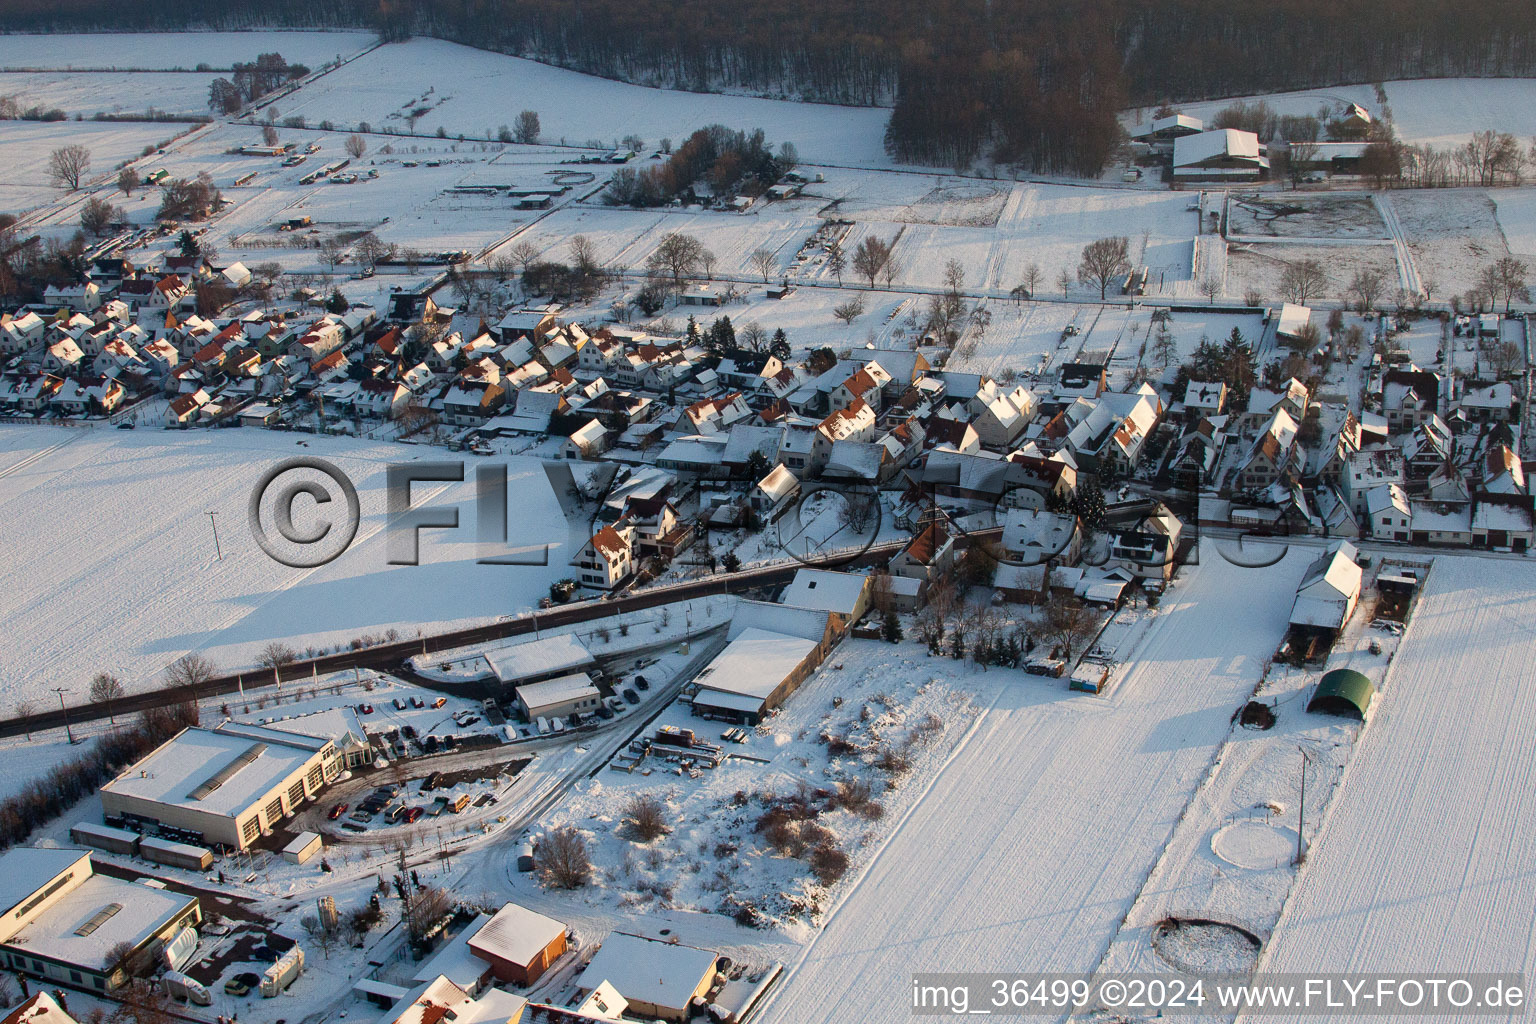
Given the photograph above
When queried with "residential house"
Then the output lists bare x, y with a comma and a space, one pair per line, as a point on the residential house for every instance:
608, 559
930, 554
1389, 512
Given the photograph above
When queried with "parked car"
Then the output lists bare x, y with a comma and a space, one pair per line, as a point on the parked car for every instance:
604, 711
413, 814
400, 704
440, 702
429, 745
642, 682
242, 983
450, 741
631, 696
365, 709
409, 732
361, 815
338, 811
417, 702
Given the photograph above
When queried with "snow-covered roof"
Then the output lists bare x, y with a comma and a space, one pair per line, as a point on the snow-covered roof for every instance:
559, 690
665, 974
217, 771
138, 911
1292, 319
538, 657
825, 590
26, 869
779, 482
40, 1009
753, 665
1229, 143
1330, 586
515, 934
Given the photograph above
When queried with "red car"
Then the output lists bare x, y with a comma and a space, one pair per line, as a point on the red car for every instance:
338, 811
412, 814
365, 709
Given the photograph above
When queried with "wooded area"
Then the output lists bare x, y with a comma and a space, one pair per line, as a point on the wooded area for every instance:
1029, 82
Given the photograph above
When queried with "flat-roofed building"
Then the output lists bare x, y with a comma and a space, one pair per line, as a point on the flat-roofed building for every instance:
226, 786
65, 923
571, 694
658, 980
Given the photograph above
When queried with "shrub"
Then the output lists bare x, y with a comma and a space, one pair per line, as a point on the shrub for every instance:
828, 863
647, 817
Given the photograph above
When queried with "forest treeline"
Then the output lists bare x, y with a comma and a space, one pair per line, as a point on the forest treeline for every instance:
1032, 82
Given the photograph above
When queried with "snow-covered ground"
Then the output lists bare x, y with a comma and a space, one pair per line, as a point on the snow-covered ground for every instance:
110, 92
473, 92
1031, 844
125, 576
1438, 803
168, 51
24, 181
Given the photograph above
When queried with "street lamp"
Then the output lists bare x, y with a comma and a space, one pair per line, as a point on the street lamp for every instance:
67, 731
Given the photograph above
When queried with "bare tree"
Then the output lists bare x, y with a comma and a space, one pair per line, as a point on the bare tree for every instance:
707, 260
127, 180
870, 257
1068, 624
858, 511
1210, 287
370, 250
583, 255
97, 214
1064, 282
190, 670
1366, 287
331, 254
1303, 280
1030, 280
764, 262
1504, 357
837, 262
1505, 280
849, 311
646, 816
954, 277
356, 145
324, 935
678, 256
276, 655
269, 135
526, 129
561, 859
427, 906
1300, 157
104, 687
25, 709
524, 254
67, 166
1104, 260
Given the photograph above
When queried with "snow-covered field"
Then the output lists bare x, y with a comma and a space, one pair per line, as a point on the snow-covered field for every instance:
24, 182
473, 92
1259, 266
1030, 845
110, 92
1438, 802
1517, 219
125, 576
1452, 234
165, 51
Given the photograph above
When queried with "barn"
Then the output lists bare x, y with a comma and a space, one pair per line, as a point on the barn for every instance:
1343, 692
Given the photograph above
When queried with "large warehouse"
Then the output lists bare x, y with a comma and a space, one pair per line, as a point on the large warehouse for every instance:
225, 786
772, 649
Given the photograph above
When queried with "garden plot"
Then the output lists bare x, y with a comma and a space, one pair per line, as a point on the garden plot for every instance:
1023, 339
1439, 799
952, 202
846, 756
473, 92
1259, 266
172, 51
1304, 216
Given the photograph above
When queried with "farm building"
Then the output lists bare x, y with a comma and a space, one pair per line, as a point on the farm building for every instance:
226, 786
558, 697
62, 920
1342, 692
518, 944
1226, 154
772, 649
1328, 592
659, 980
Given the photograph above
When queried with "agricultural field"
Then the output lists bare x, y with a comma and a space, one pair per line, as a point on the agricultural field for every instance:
1305, 216
24, 181
1451, 234
173, 51
1259, 266
145, 537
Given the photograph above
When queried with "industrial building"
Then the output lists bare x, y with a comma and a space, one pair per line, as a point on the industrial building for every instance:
571, 694
226, 786
65, 923
771, 650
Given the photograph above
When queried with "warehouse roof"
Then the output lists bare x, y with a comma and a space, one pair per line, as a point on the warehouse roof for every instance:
26, 869
754, 664
214, 771
539, 658
575, 686
87, 922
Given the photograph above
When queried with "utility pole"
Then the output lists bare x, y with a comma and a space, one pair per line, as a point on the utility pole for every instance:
1301, 810
214, 521
67, 731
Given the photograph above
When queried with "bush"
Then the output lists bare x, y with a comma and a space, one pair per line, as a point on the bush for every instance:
828, 863
647, 817
562, 860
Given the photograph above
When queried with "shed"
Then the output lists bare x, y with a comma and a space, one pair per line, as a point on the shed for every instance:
518, 944
305, 845
1343, 692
